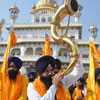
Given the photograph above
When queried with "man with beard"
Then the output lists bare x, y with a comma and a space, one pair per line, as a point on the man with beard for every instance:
49, 86
31, 76
16, 85
80, 91
57, 66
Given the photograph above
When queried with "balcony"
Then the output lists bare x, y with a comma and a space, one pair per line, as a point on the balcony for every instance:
33, 58
30, 38
85, 60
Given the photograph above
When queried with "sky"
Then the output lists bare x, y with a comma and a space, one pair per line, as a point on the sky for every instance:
90, 14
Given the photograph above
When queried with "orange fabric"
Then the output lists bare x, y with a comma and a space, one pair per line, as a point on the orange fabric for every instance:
40, 88
76, 93
94, 56
97, 92
47, 49
1, 85
0, 29
18, 83
13, 39
11, 42
95, 50
68, 95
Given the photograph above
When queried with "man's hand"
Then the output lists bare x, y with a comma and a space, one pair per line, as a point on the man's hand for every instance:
56, 79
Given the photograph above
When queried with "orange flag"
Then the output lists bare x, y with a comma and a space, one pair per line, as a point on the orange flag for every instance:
47, 49
94, 56
12, 41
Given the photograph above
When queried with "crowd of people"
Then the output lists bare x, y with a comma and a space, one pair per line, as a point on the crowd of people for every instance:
46, 83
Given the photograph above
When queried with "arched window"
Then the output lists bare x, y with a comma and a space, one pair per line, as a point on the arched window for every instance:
37, 19
16, 51
49, 19
39, 51
43, 19
29, 51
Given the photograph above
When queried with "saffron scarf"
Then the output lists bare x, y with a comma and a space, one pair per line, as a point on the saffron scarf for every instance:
41, 89
78, 93
68, 95
18, 83
97, 91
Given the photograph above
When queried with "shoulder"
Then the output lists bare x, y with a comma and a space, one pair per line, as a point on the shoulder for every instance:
31, 88
30, 85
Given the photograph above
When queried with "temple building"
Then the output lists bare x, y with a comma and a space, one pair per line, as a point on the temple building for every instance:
31, 36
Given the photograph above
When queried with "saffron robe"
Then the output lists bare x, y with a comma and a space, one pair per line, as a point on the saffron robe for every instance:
8, 93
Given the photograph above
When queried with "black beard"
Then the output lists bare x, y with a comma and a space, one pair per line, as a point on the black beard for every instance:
31, 79
81, 86
12, 74
98, 81
47, 81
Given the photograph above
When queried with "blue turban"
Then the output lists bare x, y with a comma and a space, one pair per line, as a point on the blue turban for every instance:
32, 73
16, 60
43, 62
58, 63
97, 72
82, 80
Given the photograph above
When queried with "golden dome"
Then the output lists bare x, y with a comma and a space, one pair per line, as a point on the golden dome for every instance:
93, 27
33, 6
46, 3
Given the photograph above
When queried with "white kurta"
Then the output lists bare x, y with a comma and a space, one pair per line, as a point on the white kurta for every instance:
67, 81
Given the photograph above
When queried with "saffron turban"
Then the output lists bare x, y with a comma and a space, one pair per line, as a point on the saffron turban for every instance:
58, 63
17, 61
32, 73
43, 62
97, 72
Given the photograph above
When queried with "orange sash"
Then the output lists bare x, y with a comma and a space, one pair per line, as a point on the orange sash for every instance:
78, 92
40, 88
97, 92
18, 83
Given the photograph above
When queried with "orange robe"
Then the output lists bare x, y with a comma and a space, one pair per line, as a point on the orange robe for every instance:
40, 88
15, 90
77, 93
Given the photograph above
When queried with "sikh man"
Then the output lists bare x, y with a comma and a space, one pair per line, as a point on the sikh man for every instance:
97, 82
31, 76
80, 91
49, 86
57, 66
16, 85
